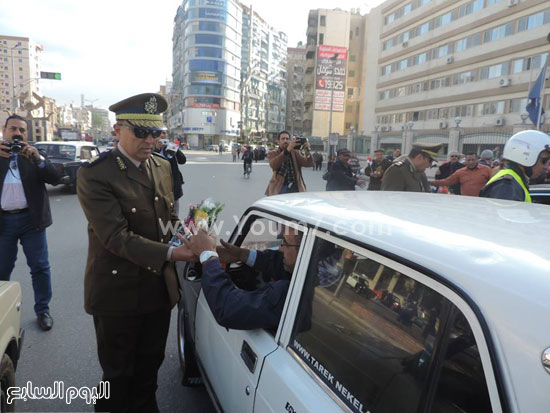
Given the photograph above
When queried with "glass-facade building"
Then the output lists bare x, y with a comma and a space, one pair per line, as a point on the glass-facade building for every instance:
206, 72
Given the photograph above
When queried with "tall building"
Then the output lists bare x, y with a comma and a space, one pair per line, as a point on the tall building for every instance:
263, 77
206, 71
296, 68
334, 66
453, 72
101, 125
19, 75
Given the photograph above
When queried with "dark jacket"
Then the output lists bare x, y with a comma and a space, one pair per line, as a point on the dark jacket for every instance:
247, 310
276, 159
33, 179
446, 170
403, 176
340, 177
178, 158
506, 187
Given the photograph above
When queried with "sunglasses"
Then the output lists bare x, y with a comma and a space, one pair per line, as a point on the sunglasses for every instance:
142, 133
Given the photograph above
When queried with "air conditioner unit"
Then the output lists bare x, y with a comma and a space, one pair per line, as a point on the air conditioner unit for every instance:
512, 3
499, 122
505, 82
450, 60
405, 44
443, 125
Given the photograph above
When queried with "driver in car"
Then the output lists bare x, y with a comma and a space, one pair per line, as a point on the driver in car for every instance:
239, 309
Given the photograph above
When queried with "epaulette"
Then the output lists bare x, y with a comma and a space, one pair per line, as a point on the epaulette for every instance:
96, 159
160, 155
399, 163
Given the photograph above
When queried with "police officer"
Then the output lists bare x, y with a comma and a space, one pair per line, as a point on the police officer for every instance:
406, 173
525, 155
130, 282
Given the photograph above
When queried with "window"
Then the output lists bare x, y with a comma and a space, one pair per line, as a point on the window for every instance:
530, 22
518, 105
369, 333
442, 51
208, 39
464, 77
403, 64
352, 73
323, 21
498, 32
321, 38
491, 72
420, 30
352, 58
350, 91
357, 31
491, 108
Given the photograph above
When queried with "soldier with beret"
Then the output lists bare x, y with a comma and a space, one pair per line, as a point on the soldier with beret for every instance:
130, 283
406, 173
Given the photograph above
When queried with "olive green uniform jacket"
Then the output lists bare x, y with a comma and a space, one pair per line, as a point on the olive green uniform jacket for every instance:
128, 216
403, 176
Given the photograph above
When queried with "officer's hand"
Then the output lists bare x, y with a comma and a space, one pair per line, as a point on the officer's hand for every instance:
201, 242
4, 151
292, 144
183, 253
231, 253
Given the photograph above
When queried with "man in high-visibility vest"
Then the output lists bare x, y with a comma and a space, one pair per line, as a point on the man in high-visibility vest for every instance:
525, 155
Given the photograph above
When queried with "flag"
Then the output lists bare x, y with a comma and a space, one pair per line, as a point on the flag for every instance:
535, 98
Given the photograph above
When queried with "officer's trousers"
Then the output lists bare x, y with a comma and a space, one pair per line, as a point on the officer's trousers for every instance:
131, 350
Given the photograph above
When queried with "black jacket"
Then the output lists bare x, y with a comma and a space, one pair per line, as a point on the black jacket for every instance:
340, 177
446, 170
177, 177
239, 309
34, 179
506, 187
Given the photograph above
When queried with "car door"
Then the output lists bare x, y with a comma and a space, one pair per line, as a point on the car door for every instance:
344, 351
232, 359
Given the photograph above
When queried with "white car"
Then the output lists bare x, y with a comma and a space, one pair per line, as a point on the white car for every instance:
472, 276
11, 338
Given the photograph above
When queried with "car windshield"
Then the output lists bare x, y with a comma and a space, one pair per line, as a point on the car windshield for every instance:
58, 151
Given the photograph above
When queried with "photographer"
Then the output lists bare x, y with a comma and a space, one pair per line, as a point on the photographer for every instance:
175, 156
25, 212
286, 162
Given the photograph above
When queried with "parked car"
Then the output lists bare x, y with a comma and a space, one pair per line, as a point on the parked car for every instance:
478, 272
540, 194
214, 148
11, 338
68, 157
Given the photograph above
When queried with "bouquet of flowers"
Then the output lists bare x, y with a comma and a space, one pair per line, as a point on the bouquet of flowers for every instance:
200, 217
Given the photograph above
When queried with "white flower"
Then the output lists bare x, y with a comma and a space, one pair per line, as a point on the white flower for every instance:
202, 224
209, 204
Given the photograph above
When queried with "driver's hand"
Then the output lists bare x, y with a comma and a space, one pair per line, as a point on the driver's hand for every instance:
231, 253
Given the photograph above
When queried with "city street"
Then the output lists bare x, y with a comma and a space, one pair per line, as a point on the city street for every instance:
68, 352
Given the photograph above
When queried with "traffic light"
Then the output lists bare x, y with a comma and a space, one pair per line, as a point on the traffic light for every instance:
50, 75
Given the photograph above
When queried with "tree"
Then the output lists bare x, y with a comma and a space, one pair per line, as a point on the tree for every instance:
97, 121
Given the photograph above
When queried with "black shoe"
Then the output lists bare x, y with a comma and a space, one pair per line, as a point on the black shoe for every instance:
45, 321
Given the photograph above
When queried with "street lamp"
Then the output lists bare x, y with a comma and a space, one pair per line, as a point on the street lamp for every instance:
458, 119
410, 124
524, 115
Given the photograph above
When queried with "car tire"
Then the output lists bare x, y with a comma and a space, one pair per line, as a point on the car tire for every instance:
7, 379
186, 351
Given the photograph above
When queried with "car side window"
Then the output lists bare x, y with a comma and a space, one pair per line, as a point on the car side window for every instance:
85, 153
367, 331
263, 234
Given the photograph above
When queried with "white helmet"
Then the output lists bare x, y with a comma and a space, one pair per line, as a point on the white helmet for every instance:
525, 147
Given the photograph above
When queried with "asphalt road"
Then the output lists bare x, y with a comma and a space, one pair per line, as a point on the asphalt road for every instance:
68, 352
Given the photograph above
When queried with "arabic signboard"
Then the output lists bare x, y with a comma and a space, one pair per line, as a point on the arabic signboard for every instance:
330, 81
205, 105
206, 77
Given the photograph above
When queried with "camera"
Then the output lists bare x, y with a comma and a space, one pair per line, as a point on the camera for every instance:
300, 142
15, 146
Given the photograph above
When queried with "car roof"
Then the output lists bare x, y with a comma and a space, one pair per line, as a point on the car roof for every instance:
496, 252
74, 143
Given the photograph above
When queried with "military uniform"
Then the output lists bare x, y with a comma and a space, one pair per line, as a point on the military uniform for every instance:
129, 285
403, 176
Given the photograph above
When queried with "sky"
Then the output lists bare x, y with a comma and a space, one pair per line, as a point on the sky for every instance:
112, 49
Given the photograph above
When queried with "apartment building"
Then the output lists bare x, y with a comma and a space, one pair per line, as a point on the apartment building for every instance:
295, 68
263, 77
19, 74
453, 72
335, 43
205, 97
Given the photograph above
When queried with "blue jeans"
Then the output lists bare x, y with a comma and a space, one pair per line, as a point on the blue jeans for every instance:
17, 227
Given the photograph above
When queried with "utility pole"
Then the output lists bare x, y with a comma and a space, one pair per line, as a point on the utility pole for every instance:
331, 148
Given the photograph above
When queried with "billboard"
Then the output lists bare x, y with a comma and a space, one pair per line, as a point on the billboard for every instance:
206, 77
330, 77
